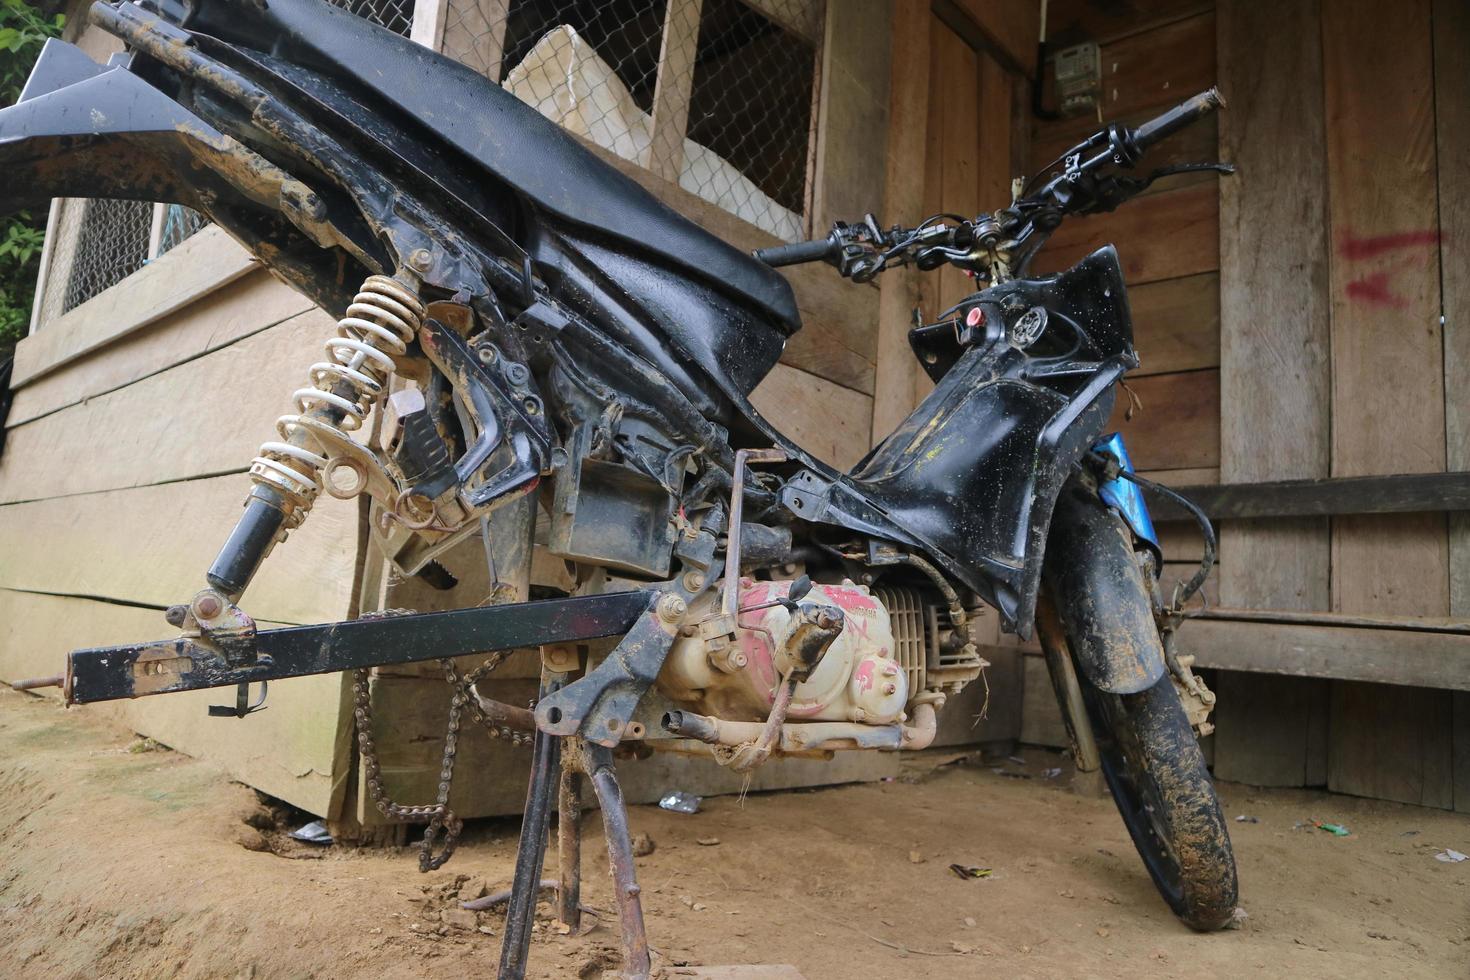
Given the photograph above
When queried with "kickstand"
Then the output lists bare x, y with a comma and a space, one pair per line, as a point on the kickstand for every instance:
597, 762
520, 913
574, 761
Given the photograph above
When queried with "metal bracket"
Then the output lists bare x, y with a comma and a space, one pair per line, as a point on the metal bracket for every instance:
599, 706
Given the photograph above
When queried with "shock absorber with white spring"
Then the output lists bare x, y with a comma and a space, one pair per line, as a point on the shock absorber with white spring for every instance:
287, 475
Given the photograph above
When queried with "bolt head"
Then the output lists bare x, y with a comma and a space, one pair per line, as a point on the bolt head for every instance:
671, 608
207, 606
421, 259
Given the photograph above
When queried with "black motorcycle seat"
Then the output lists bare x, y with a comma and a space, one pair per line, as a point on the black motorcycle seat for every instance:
509, 139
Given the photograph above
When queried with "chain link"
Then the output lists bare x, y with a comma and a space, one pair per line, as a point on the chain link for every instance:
438, 816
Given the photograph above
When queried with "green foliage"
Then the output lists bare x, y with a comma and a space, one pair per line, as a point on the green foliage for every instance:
23, 32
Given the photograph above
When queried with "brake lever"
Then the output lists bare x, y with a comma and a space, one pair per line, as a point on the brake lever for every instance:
1137, 185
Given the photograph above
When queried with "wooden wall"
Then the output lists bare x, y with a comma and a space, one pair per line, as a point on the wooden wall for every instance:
122, 472
1288, 321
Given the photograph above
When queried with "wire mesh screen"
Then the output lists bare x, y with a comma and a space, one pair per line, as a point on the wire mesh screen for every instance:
396, 15
179, 223
111, 244
716, 95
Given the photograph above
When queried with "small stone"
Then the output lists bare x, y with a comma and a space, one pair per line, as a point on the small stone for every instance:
707, 841
473, 889
462, 919
1102, 931
442, 931
643, 845
969, 922
699, 906
486, 930
915, 857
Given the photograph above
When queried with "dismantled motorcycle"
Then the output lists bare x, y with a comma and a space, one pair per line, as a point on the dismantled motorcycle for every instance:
529, 329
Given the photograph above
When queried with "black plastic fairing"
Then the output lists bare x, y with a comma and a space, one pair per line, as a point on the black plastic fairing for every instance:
972, 475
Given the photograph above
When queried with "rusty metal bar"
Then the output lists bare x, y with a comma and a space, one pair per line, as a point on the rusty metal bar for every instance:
737, 517
599, 764
569, 844
520, 915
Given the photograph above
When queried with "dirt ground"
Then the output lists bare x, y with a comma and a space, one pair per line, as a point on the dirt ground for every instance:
123, 863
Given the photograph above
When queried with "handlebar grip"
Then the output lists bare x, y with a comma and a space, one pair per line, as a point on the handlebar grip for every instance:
1171, 122
812, 251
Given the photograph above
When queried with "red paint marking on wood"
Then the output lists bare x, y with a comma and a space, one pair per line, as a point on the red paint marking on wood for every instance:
1375, 245
1374, 291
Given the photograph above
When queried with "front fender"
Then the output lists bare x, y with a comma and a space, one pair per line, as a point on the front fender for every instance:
1097, 585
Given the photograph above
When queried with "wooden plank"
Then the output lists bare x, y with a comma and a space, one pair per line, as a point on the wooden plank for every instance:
959, 180
100, 544
1273, 563
1112, 21
1394, 563
829, 421
1452, 129
1176, 324
203, 418
1413, 658
1302, 617
838, 337
1013, 27
1178, 425
43, 266
1144, 73
894, 389
288, 751
804, 18
1405, 755
1159, 236
671, 90
1041, 718
428, 23
1385, 284
993, 135
852, 118
474, 35
1405, 493
1460, 750
1270, 731
252, 303
203, 263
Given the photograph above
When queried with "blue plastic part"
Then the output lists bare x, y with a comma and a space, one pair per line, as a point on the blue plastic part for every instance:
1123, 496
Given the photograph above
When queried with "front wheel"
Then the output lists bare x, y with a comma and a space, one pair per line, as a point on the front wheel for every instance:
1150, 758
1156, 772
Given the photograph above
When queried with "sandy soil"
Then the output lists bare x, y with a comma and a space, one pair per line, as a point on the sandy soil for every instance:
123, 863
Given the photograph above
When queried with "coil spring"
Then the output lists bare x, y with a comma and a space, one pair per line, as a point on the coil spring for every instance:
381, 320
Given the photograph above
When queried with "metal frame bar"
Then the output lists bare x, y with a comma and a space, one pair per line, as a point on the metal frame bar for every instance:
111, 673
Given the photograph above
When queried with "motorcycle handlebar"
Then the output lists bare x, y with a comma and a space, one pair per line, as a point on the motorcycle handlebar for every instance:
798, 252
1171, 122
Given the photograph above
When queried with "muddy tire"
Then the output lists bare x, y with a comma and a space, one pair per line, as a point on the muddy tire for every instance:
1156, 772
1150, 757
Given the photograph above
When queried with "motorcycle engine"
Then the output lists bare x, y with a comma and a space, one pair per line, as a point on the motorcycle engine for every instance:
870, 674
